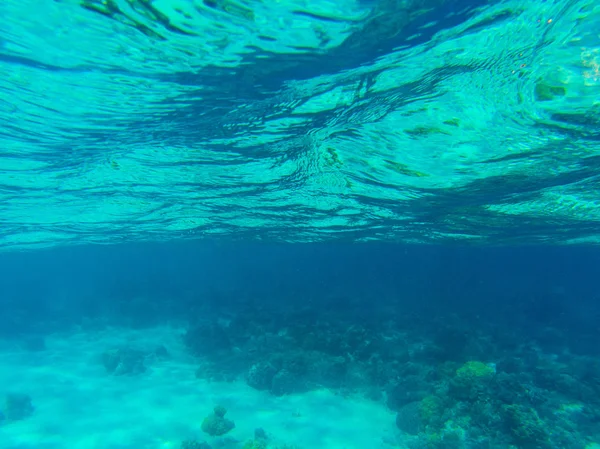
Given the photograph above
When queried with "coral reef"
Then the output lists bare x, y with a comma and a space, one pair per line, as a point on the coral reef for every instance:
471, 380
449, 387
431, 411
525, 427
216, 424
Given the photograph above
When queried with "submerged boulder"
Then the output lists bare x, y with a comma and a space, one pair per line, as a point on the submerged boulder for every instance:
408, 419
191, 444
17, 406
284, 382
260, 376
123, 361
216, 424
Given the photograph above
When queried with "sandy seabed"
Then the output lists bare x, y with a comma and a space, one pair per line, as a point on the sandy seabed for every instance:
79, 406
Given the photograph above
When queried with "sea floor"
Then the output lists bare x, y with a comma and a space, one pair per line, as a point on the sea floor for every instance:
78, 405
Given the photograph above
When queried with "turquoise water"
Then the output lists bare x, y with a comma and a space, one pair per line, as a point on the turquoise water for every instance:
395, 120
299, 224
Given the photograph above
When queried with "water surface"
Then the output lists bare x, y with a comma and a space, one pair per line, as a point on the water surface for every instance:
395, 120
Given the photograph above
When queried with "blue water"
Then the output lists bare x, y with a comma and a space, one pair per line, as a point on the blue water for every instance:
414, 121
299, 224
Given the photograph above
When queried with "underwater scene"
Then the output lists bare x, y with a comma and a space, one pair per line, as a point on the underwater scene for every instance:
300, 224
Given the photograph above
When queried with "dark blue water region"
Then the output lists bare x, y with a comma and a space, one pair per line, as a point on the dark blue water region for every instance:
521, 286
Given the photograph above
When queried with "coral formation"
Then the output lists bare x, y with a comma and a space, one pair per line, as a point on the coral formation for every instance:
435, 377
124, 361
408, 418
471, 380
216, 424
190, 444
431, 411
255, 444
525, 427
260, 434
260, 376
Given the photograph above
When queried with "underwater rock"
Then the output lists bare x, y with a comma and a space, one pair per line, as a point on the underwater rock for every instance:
260, 376
260, 434
17, 407
408, 419
296, 363
190, 444
123, 361
216, 424
283, 383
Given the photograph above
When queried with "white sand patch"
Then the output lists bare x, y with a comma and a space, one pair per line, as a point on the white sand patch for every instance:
79, 406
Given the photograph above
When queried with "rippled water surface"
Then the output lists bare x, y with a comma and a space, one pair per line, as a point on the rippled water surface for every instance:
299, 120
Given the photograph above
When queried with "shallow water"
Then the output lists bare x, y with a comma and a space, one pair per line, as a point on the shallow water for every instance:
311, 213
